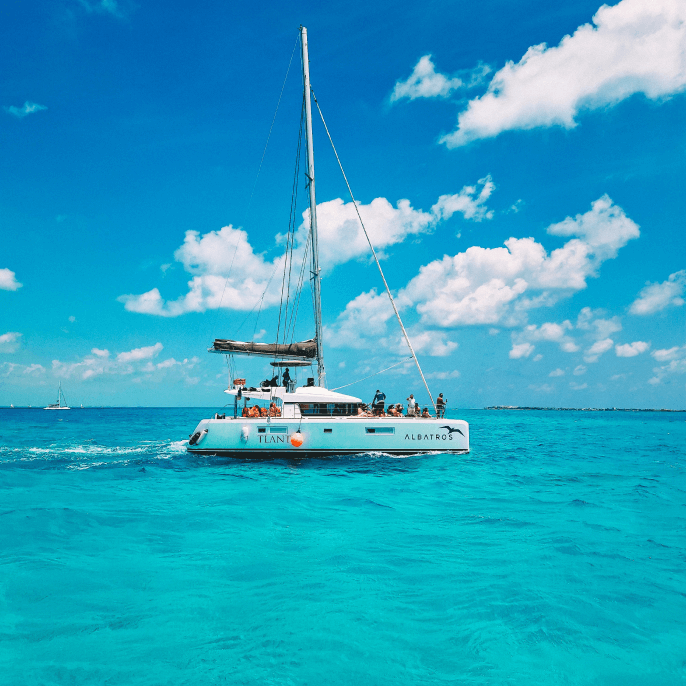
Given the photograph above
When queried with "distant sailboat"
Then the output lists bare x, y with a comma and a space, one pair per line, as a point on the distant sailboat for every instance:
11, 406
58, 405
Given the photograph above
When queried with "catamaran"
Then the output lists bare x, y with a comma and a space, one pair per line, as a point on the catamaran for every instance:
310, 420
58, 405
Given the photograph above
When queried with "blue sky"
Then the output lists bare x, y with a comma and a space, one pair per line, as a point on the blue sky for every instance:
520, 167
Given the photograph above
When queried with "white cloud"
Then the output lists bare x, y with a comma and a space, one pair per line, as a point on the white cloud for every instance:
136, 363
542, 388
557, 372
598, 328
10, 341
631, 349
137, 354
425, 82
112, 7
538, 358
493, 285
443, 376
26, 109
665, 355
577, 386
11, 369
228, 273
635, 46
597, 349
655, 297
364, 322
676, 358
549, 331
579, 370
8, 281
520, 350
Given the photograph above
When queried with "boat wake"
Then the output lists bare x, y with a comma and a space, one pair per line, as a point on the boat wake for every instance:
88, 456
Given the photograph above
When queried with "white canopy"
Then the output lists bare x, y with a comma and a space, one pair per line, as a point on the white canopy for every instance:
304, 394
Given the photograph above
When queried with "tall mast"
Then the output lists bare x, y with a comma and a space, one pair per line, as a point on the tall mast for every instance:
316, 279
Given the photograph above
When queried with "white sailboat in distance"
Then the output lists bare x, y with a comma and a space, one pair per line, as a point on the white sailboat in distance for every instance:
310, 420
58, 405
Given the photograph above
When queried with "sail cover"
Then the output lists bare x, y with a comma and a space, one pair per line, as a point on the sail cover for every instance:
306, 350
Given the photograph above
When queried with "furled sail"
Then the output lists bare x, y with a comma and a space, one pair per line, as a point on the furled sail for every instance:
305, 350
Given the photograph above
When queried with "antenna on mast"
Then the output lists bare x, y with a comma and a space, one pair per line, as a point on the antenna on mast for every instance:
316, 278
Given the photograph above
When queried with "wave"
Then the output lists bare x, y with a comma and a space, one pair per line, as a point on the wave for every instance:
87, 456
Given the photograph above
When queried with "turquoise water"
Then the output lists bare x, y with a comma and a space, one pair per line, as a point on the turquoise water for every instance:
554, 553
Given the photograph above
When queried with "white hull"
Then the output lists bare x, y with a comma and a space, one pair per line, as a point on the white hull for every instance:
63, 407
253, 437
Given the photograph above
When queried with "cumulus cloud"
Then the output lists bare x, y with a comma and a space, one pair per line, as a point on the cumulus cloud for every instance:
26, 109
676, 363
425, 82
597, 349
631, 349
499, 285
10, 341
99, 362
139, 353
579, 370
577, 386
635, 46
557, 372
364, 323
520, 350
666, 354
655, 297
226, 272
598, 328
443, 376
8, 281
522, 341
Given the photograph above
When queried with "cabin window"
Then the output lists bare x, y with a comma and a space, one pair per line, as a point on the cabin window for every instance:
328, 431
261, 430
278, 429
380, 429
328, 409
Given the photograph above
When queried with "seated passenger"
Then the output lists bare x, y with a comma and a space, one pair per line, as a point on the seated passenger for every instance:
254, 411
425, 414
246, 412
274, 411
399, 409
392, 411
264, 412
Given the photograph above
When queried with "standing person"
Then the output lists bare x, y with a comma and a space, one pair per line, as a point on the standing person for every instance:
286, 378
411, 405
378, 402
440, 405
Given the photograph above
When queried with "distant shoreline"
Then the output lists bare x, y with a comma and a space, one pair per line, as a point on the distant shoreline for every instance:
581, 409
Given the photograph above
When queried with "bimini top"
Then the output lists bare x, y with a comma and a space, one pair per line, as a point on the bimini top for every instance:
306, 350
304, 394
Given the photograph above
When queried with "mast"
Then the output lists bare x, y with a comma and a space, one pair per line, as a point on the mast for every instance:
316, 278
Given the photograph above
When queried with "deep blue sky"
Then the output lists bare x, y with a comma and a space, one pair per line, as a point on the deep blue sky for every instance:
126, 125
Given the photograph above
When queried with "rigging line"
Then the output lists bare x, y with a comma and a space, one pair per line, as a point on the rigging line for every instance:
288, 266
407, 359
296, 307
388, 290
264, 152
257, 302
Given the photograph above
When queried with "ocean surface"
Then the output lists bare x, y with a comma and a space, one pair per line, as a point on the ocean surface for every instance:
554, 553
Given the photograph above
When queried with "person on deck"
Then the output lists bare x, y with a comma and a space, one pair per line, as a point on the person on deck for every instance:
440, 406
411, 406
286, 378
378, 402
425, 414
392, 411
